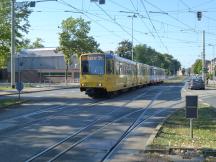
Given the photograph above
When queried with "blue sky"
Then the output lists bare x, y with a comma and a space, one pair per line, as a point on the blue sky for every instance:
168, 26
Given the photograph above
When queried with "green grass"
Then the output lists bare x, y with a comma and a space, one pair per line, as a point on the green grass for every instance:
177, 79
9, 102
5, 88
175, 131
26, 85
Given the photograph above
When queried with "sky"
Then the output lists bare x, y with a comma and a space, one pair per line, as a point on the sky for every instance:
168, 26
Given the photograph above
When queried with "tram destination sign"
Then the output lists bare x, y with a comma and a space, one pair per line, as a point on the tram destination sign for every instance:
92, 57
191, 107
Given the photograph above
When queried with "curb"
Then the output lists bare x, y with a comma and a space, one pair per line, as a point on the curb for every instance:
155, 132
9, 94
153, 135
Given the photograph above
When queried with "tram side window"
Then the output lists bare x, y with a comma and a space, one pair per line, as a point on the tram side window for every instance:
134, 71
121, 69
117, 68
85, 68
144, 70
151, 71
109, 66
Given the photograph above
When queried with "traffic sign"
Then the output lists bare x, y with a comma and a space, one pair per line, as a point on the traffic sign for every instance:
191, 107
191, 110
19, 86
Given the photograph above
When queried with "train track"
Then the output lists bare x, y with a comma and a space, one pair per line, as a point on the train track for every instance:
49, 113
26, 120
76, 138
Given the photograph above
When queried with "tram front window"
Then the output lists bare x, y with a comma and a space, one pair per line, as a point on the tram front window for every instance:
92, 64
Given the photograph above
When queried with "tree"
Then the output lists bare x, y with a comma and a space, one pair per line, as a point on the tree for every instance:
197, 66
22, 26
37, 43
143, 54
74, 39
150, 56
124, 49
183, 71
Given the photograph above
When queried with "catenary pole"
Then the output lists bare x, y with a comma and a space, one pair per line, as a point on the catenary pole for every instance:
13, 43
203, 58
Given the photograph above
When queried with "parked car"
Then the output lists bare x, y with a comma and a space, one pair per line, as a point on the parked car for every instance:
196, 83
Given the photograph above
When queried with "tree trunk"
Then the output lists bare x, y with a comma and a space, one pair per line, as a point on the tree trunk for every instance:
66, 74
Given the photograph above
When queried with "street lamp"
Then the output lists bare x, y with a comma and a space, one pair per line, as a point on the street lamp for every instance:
199, 16
134, 15
132, 52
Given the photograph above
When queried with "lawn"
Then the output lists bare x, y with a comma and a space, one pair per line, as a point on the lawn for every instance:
177, 79
9, 102
175, 131
5, 88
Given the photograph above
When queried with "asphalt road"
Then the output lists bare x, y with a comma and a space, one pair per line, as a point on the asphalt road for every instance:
66, 125
206, 96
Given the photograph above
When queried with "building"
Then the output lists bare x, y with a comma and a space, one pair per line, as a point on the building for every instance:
211, 66
44, 65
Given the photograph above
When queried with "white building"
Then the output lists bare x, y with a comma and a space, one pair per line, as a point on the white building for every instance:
45, 65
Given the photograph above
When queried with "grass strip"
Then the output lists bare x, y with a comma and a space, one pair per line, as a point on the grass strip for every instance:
175, 132
10, 102
177, 79
5, 88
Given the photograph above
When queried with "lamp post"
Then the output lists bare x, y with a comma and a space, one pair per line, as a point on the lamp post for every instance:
132, 21
134, 15
203, 58
199, 17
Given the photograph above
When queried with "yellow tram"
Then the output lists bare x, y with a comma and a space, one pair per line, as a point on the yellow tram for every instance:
106, 73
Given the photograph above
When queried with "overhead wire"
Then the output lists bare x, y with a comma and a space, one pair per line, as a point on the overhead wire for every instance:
154, 20
116, 22
128, 9
114, 33
133, 5
154, 26
174, 18
186, 5
69, 5
203, 3
113, 22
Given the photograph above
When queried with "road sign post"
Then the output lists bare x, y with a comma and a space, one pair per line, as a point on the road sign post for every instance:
19, 87
191, 110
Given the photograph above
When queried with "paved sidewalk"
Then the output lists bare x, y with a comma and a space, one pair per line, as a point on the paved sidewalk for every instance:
39, 88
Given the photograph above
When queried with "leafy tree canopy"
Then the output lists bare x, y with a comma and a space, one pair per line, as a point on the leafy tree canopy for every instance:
38, 43
21, 26
124, 49
74, 38
197, 66
147, 55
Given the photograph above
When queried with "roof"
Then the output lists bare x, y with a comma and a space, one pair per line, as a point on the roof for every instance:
40, 52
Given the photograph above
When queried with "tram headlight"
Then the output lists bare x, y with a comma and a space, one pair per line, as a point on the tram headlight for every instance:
82, 84
100, 84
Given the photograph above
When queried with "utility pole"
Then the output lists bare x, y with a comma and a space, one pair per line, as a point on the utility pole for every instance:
132, 52
132, 19
13, 36
13, 43
203, 58
199, 17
